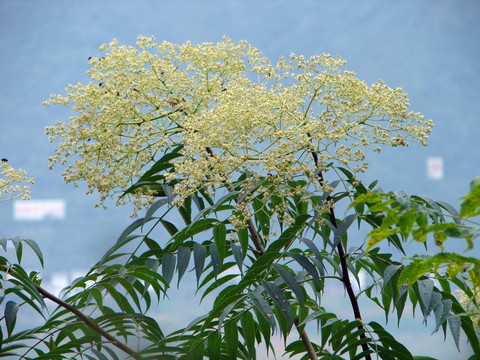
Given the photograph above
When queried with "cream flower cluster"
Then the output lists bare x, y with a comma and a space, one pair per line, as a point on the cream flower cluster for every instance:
471, 307
10, 180
233, 110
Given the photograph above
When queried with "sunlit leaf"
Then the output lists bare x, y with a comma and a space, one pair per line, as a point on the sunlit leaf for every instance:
470, 206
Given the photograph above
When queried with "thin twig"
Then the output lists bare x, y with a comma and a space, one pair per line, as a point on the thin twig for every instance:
87, 322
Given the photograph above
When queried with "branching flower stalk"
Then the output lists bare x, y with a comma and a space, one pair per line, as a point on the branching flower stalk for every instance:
256, 116
10, 180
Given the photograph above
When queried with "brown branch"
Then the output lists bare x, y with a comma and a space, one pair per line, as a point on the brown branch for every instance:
303, 334
261, 250
306, 341
255, 237
87, 322
343, 263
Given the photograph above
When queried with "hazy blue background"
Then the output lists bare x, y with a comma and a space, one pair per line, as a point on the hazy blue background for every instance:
429, 48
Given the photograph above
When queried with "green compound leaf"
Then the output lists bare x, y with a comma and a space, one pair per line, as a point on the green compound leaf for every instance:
308, 266
231, 339
11, 309
423, 264
219, 237
291, 282
263, 306
199, 254
237, 254
183, 254
168, 266
377, 235
454, 323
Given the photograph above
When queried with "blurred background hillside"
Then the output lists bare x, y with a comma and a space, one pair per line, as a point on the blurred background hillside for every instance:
431, 49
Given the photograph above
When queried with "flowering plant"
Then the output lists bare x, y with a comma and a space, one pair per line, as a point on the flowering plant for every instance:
255, 159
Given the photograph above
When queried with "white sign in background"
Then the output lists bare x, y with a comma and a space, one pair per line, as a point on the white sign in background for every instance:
39, 209
435, 168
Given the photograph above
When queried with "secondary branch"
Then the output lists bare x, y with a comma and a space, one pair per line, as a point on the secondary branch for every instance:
343, 263
87, 321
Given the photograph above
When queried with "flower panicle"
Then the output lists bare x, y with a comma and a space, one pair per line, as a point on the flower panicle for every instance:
13, 182
255, 116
